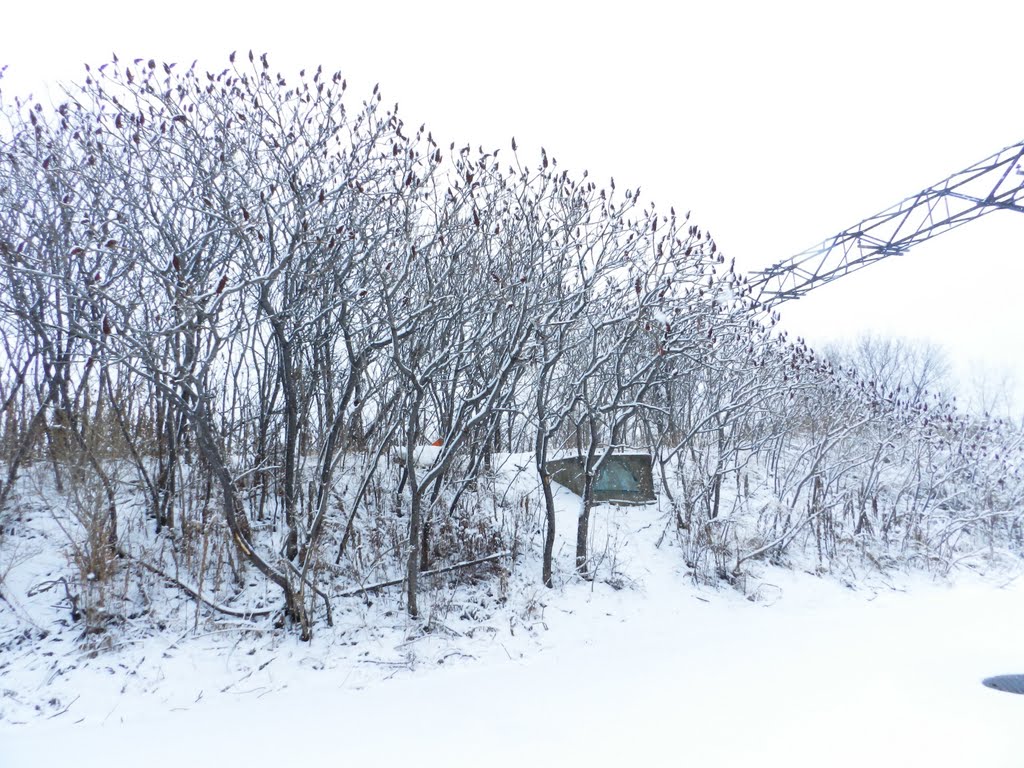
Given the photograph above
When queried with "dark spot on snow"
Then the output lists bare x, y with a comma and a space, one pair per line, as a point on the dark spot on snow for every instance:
1007, 683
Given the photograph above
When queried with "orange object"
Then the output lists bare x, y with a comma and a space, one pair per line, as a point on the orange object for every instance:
438, 443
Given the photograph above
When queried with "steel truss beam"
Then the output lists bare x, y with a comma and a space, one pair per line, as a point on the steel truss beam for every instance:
995, 183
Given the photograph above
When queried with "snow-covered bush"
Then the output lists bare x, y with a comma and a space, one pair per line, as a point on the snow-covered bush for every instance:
284, 340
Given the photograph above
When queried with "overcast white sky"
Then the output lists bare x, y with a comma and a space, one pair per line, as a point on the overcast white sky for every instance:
778, 124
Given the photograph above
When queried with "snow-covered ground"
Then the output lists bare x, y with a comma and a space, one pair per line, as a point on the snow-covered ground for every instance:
804, 671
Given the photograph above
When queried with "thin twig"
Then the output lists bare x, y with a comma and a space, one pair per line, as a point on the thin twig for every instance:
435, 572
58, 714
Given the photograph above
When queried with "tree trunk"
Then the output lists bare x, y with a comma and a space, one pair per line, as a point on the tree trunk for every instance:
413, 563
549, 534
583, 526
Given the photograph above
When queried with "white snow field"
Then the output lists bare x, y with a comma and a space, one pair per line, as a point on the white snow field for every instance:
804, 672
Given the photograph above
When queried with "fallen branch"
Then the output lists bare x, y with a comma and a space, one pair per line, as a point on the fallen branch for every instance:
435, 572
194, 594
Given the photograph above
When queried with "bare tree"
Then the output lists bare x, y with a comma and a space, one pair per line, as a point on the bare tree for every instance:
251, 295
905, 368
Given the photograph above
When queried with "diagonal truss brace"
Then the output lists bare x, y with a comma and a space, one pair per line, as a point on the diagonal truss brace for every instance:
995, 183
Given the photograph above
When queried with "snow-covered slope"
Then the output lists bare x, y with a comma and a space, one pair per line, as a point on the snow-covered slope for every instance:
642, 668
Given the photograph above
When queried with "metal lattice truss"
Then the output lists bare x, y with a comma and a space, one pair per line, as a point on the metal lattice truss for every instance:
995, 183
